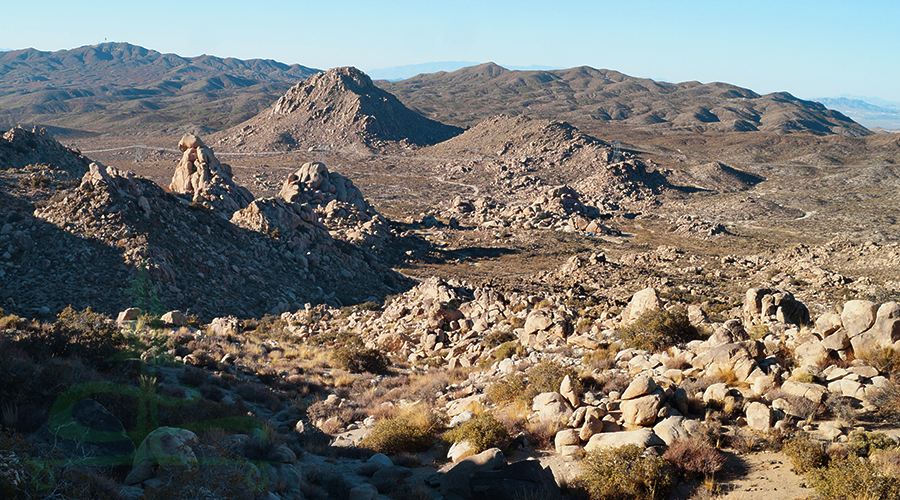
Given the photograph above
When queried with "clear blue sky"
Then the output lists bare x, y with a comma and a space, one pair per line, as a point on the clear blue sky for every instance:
809, 48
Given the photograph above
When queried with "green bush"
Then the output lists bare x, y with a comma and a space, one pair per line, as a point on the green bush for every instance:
355, 357
625, 473
413, 431
864, 444
806, 454
658, 330
483, 432
852, 478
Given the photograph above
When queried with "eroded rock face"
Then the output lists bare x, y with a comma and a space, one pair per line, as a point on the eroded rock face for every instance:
209, 181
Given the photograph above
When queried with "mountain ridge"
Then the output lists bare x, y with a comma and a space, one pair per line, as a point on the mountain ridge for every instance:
588, 97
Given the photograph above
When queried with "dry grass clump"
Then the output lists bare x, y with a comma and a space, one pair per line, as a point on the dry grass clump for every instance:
885, 360
625, 473
414, 429
482, 432
657, 330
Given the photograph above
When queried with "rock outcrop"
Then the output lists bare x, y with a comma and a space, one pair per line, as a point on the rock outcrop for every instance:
207, 180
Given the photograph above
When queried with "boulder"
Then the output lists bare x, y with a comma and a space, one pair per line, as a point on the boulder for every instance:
641, 303
640, 386
208, 181
641, 437
89, 430
858, 316
566, 437
567, 390
759, 416
165, 446
671, 429
641, 411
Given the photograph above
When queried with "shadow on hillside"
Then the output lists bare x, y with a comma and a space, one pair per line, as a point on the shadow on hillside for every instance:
51, 268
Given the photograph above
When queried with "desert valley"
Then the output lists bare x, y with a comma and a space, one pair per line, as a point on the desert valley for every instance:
245, 279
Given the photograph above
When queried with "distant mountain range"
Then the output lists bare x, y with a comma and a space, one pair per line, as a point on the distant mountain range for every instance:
868, 111
587, 98
118, 85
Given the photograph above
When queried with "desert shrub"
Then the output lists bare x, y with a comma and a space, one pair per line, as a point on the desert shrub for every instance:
86, 334
864, 444
852, 478
413, 430
508, 349
693, 458
599, 360
625, 473
355, 357
507, 389
497, 337
659, 329
806, 454
841, 408
483, 432
547, 375
887, 402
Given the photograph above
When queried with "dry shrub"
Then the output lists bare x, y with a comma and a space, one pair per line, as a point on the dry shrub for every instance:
508, 389
657, 330
886, 360
86, 334
355, 357
414, 429
483, 432
693, 458
541, 433
625, 473
887, 401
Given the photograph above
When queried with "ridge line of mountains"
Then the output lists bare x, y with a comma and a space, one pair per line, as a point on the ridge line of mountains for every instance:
113, 87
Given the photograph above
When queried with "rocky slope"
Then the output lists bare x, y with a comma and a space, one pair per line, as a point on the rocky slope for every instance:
135, 243
338, 109
587, 97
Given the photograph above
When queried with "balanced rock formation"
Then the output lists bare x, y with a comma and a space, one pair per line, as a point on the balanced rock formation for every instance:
209, 181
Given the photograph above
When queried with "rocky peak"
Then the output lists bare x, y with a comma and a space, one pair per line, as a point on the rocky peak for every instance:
338, 108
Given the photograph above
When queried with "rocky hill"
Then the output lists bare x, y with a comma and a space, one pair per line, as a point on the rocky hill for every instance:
588, 97
340, 108
119, 85
116, 240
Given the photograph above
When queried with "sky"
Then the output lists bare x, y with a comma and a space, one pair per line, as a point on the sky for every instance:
811, 49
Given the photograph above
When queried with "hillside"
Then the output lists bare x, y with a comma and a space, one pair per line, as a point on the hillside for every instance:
338, 109
115, 86
588, 97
